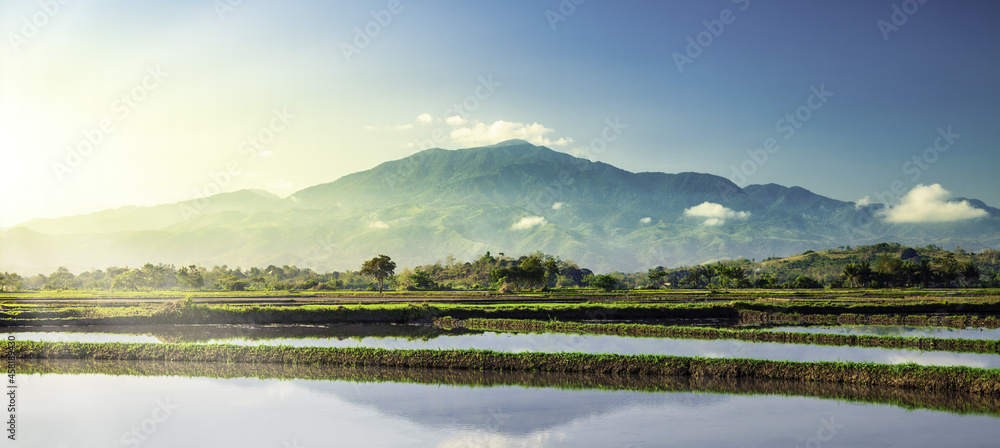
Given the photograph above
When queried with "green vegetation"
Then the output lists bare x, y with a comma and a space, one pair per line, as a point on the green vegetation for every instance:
947, 401
379, 267
680, 332
910, 376
192, 311
954, 321
879, 266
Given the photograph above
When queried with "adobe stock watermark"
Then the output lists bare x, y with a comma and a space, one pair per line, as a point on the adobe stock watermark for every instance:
915, 168
364, 34
565, 9
138, 434
922, 162
223, 7
252, 147
31, 26
548, 197
827, 431
899, 16
785, 127
121, 109
713, 30
495, 420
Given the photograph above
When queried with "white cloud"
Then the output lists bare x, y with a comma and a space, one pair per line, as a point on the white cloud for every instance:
924, 204
863, 202
266, 153
646, 220
477, 133
714, 214
528, 222
558, 205
379, 225
455, 120
425, 118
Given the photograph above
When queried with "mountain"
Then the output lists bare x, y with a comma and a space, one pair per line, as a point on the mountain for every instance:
513, 197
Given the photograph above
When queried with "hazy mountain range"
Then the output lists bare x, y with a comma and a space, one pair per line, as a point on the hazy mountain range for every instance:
512, 197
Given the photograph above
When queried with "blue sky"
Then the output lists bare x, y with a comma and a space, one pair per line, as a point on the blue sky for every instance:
199, 80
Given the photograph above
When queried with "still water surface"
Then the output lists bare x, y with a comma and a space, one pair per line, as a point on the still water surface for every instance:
897, 330
96, 410
552, 342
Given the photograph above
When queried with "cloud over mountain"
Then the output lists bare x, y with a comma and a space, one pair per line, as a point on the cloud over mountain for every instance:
930, 204
528, 222
714, 214
514, 197
477, 133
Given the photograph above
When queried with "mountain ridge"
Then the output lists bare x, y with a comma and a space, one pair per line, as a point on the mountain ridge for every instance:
512, 197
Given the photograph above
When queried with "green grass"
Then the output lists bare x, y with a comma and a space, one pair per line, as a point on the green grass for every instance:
947, 401
123, 312
705, 333
914, 320
909, 376
859, 294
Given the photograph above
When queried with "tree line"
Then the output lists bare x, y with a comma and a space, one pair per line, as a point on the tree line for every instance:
882, 265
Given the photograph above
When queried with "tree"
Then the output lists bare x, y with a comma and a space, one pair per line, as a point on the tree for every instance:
421, 280
971, 273
865, 273
129, 279
9, 281
803, 282
731, 275
694, 278
551, 269
910, 272
656, 276
947, 269
852, 274
708, 272
379, 267
926, 271
533, 272
738, 276
890, 270
606, 282
152, 277
767, 281
191, 276
529, 273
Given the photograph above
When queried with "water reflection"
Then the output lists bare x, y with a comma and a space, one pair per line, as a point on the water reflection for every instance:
952, 401
203, 333
555, 342
102, 410
897, 330
429, 337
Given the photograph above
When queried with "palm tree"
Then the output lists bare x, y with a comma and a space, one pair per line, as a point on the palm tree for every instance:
910, 272
708, 272
737, 275
851, 273
694, 277
724, 276
926, 271
971, 273
865, 273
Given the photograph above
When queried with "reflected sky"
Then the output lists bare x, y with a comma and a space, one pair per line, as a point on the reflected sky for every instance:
554, 342
721, 348
50, 336
102, 411
898, 330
